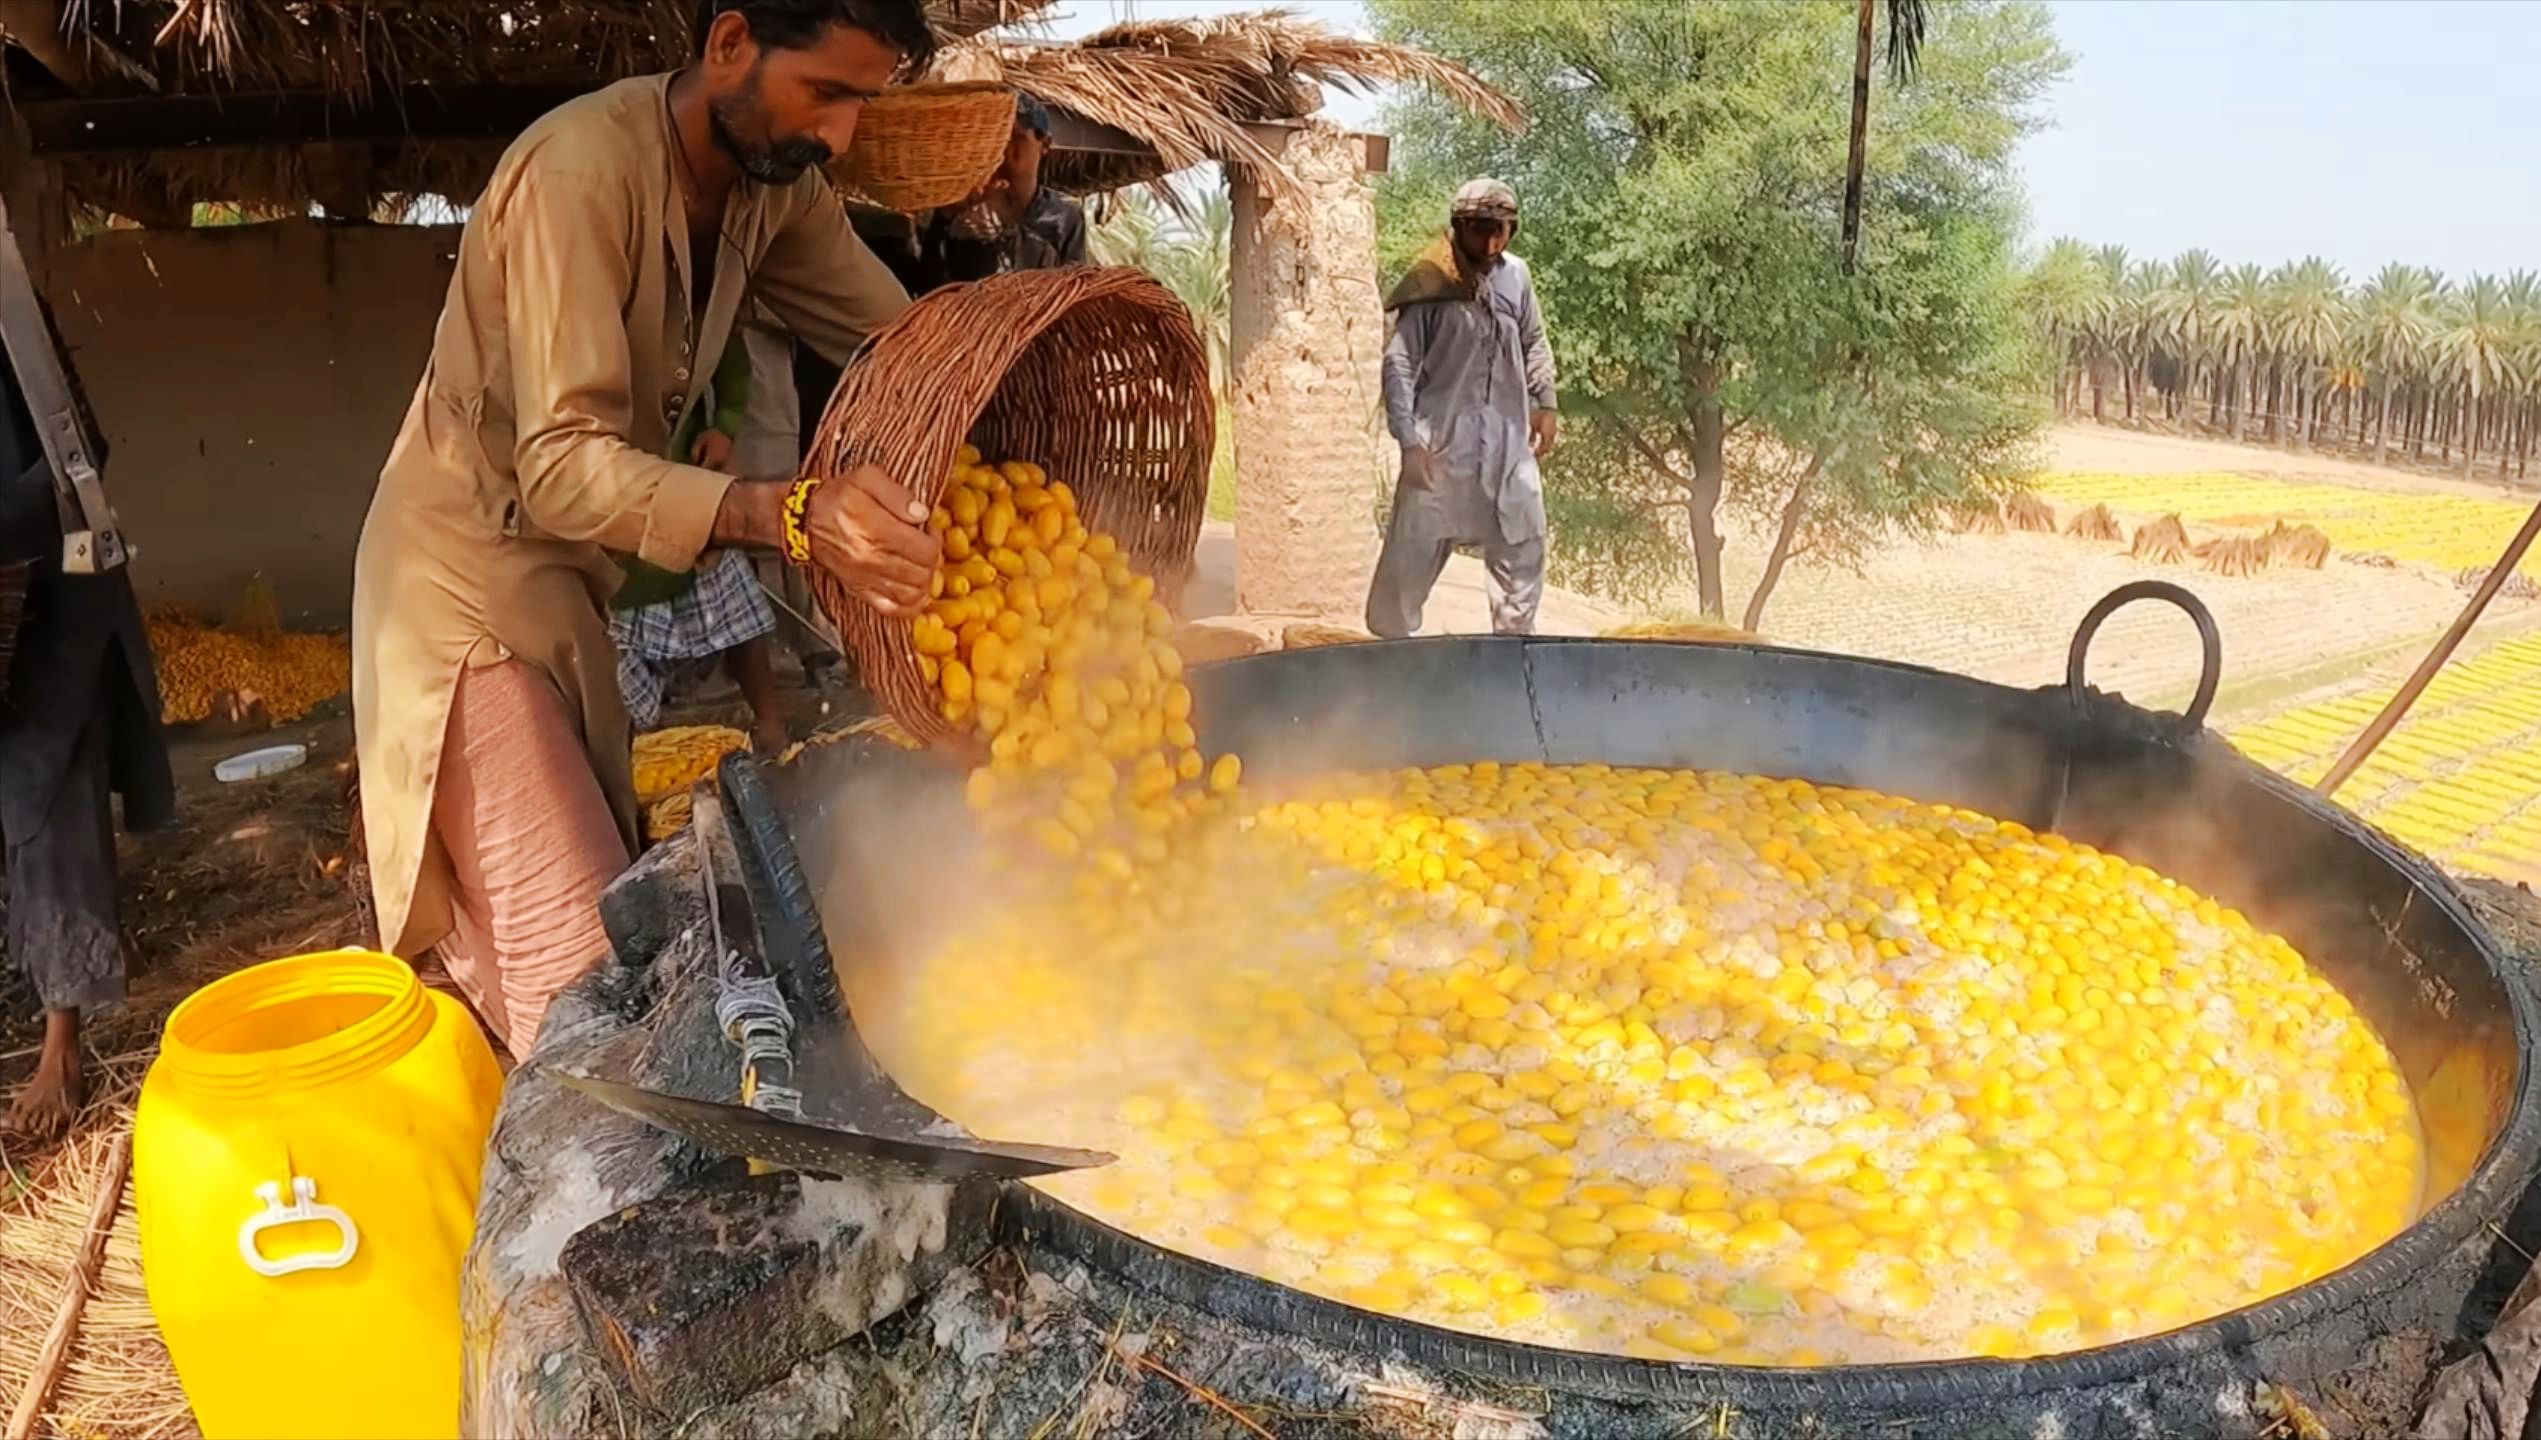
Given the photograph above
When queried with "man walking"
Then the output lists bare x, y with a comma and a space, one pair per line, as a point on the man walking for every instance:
1469, 397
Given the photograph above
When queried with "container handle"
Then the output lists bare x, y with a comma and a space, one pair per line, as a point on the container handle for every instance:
302, 1209
2209, 641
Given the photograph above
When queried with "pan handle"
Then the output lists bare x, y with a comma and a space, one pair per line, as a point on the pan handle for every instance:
2209, 640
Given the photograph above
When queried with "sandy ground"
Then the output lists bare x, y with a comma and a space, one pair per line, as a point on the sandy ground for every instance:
2135, 452
1461, 605
2004, 607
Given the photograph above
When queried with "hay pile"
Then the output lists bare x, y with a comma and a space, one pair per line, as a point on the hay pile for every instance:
2233, 555
1682, 632
2517, 586
1314, 635
2096, 523
1977, 517
2160, 542
2027, 512
118, 1382
2302, 546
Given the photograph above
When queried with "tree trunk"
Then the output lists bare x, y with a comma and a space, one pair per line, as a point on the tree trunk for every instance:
1703, 511
2470, 433
2099, 410
2243, 380
2276, 400
2382, 425
1792, 509
1861, 136
2127, 378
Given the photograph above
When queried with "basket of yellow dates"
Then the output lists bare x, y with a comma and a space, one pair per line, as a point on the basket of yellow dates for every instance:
1059, 425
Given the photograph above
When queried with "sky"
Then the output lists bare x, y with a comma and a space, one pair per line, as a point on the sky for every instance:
2357, 130
2363, 131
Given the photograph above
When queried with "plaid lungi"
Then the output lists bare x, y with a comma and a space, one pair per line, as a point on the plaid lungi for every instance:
660, 645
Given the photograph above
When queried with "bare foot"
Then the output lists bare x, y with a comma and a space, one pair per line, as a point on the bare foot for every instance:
769, 741
48, 1104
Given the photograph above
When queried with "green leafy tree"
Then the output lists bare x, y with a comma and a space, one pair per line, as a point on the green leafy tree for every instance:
1681, 184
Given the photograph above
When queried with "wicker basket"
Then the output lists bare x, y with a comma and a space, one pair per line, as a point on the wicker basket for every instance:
926, 146
1095, 374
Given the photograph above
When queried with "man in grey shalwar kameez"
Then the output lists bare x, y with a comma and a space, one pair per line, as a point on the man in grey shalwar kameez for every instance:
1469, 397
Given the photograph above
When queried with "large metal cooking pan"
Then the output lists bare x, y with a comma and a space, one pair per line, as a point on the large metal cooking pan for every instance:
872, 826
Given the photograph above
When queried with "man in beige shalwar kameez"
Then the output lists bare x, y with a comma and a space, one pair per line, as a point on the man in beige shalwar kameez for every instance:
599, 277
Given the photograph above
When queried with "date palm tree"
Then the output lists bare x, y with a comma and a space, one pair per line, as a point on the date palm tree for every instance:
1194, 266
1130, 230
2108, 341
1906, 21
2068, 298
2191, 293
2523, 321
2395, 321
2241, 338
2135, 318
2472, 351
2309, 325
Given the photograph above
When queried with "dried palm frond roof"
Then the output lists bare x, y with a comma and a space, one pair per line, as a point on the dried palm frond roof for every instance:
345, 47
1187, 88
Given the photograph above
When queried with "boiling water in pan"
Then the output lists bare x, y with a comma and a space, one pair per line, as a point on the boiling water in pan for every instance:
1675, 1064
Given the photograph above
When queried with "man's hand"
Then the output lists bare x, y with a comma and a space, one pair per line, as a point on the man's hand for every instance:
1416, 462
871, 534
712, 450
1543, 428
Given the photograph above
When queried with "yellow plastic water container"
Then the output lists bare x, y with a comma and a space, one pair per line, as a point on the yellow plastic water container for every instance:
304, 1169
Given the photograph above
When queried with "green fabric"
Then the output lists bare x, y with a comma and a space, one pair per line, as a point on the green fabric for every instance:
729, 399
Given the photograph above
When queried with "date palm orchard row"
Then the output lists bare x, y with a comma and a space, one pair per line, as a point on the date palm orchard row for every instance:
2407, 360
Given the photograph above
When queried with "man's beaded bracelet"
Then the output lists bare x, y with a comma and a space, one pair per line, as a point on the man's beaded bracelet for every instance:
798, 541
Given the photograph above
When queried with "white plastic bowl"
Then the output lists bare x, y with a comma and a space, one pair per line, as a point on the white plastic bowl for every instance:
259, 764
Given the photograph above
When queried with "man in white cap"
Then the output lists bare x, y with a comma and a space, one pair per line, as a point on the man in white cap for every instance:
1469, 397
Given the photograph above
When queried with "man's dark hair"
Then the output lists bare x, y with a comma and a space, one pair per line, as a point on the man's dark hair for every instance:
795, 24
1032, 115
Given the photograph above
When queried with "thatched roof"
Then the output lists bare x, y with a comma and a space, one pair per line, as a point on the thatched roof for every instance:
1189, 87
404, 96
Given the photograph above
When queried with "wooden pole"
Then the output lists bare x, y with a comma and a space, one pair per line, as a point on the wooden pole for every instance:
54, 1355
2384, 723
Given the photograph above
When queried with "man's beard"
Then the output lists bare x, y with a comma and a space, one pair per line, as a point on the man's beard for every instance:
772, 162
1475, 258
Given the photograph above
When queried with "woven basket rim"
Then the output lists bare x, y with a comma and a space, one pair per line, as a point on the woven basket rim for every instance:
901, 97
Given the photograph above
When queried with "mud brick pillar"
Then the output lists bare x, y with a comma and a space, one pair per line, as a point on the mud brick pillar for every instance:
1306, 342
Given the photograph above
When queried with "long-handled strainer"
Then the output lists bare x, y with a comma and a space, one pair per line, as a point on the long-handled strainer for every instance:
828, 1150
769, 1125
